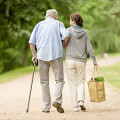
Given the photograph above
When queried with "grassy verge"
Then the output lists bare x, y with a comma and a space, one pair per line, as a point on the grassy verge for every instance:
113, 54
5, 77
109, 55
112, 74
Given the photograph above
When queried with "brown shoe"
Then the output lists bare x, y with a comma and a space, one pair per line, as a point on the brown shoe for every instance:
45, 111
58, 106
82, 106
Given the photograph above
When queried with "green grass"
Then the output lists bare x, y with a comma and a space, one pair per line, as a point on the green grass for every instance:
112, 74
113, 54
109, 55
5, 77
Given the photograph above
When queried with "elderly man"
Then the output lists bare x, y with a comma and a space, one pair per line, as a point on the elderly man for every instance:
47, 36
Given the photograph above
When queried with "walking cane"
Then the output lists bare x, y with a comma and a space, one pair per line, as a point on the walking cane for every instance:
31, 87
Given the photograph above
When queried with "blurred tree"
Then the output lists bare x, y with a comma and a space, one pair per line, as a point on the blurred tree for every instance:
17, 19
101, 23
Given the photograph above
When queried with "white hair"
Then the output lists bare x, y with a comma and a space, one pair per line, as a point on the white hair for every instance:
51, 13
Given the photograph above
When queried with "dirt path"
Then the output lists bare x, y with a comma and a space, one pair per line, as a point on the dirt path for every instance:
14, 97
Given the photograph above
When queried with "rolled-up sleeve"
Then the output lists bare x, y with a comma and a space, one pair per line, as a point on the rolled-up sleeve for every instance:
32, 39
63, 31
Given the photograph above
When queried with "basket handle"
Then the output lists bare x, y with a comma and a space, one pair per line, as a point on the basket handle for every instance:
95, 72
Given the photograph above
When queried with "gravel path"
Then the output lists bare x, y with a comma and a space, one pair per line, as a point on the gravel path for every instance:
14, 97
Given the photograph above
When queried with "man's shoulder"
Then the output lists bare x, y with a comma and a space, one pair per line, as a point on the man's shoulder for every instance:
39, 23
59, 22
69, 28
42, 21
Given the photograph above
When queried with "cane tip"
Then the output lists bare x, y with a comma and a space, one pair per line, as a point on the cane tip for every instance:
27, 110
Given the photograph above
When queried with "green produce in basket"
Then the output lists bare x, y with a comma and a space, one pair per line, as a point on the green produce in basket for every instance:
98, 79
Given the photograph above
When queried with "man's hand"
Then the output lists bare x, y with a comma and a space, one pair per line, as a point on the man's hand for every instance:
95, 64
34, 59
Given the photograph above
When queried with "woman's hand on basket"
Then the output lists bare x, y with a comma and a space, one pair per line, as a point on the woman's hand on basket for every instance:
95, 64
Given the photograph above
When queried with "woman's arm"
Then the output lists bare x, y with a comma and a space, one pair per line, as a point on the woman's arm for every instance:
65, 42
90, 50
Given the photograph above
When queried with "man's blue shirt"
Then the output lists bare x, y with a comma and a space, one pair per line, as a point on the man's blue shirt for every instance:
47, 35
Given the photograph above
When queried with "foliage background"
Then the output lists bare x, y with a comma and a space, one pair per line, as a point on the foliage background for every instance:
18, 18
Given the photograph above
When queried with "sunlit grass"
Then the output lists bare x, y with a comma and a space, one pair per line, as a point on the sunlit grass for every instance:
108, 55
112, 74
114, 54
15, 73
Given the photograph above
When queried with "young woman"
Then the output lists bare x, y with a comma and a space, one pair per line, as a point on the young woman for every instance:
76, 58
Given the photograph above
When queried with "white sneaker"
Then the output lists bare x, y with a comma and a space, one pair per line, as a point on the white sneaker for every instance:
75, 109
81, 104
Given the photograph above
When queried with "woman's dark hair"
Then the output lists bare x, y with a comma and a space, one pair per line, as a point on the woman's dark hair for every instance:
78, 19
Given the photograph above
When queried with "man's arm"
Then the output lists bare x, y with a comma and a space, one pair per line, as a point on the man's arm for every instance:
32, 43
34, 58
63, 31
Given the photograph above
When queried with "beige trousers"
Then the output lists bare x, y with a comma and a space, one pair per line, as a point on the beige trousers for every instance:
57, 66
76, 78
